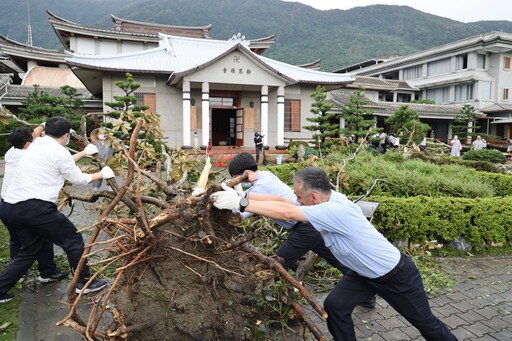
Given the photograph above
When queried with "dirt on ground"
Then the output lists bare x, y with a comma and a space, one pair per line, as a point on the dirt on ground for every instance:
195, 289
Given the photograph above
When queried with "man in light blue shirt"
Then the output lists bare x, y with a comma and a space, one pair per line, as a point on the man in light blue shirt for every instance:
377, 266
303, 236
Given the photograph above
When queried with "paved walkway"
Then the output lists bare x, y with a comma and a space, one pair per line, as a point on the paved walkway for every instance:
478, 308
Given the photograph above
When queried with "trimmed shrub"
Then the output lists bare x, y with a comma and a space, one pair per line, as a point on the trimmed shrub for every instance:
419, 219
489, 155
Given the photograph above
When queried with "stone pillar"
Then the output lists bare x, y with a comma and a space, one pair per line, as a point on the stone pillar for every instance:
264, 114
280, 118
186, 116
205, 115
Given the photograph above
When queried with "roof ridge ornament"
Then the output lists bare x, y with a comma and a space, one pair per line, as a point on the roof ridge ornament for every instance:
239, 39
166, 44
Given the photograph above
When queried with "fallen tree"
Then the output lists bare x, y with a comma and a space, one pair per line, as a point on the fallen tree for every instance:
180, 268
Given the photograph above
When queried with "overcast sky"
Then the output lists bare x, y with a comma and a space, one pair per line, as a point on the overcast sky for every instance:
465, 11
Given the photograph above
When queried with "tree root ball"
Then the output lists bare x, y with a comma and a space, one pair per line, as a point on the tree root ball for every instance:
192, 289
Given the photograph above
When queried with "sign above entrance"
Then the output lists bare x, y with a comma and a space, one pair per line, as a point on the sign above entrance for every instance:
237, 70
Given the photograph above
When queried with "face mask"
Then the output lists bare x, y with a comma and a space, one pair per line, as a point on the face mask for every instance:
67, 141
101, 137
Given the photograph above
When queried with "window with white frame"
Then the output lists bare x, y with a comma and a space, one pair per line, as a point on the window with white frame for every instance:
463, 92
438, 67
505, 94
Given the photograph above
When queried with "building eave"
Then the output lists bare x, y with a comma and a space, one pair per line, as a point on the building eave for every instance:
488, 40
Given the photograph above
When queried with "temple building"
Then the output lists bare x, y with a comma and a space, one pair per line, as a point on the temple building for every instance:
205, 91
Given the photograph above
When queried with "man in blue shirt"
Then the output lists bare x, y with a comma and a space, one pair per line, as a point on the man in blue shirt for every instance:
303, 236
377, 266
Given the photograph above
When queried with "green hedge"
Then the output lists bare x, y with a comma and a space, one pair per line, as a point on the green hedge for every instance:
481, 221
489, 155
502, 183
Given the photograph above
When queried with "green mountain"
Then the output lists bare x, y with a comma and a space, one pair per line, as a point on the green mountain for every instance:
303, 34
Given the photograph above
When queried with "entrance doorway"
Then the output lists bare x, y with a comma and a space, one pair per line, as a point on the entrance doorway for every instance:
223, 127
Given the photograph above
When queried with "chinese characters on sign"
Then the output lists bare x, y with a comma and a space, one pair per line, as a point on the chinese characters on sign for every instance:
235, 70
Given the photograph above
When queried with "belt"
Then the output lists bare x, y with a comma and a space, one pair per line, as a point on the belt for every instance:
393, 272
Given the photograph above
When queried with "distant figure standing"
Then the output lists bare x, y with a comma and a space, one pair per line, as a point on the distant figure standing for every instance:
383, 142
479, 143
423, 144
258, 142
456, 146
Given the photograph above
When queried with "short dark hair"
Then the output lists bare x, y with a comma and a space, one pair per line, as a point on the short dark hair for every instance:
242, 162
20, 136
313, 179
57, 126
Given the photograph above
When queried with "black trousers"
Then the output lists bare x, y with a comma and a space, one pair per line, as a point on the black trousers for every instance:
45, 262
34, 221
403, 291
303, 238
259, 149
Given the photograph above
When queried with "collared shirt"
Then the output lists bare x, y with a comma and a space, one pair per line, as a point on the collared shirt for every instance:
267, 183
12, 157
351, 237
41, 172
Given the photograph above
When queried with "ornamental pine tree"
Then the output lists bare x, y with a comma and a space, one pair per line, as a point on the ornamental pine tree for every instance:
406, 124
127, 111
464, 124
39, 104
354, 113
325, 124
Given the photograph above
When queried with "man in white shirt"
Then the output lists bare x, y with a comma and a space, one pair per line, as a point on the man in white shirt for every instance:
31, 208
20, 139
377, 266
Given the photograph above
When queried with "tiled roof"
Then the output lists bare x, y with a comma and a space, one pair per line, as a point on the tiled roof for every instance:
496, 107
179, 55
342, 97
21, 91
380, 83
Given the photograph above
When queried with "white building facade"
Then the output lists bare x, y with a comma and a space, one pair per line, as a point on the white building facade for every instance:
475, 71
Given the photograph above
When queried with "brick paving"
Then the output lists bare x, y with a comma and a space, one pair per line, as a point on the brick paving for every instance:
479, 308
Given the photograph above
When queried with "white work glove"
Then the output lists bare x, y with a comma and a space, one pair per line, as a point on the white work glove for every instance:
240, 191
90, 149
227, 199
197, 191
107, 172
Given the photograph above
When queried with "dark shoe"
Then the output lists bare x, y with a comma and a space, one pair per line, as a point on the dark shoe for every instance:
370, 303
59, 275
6, 297
96, 285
